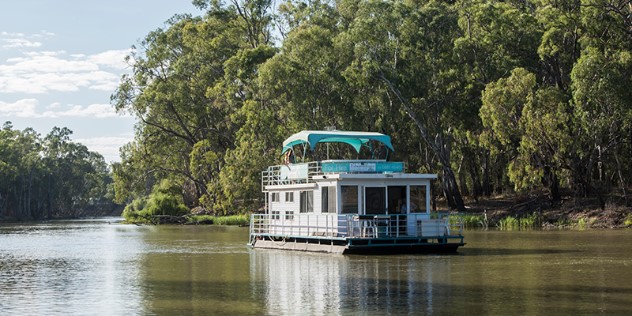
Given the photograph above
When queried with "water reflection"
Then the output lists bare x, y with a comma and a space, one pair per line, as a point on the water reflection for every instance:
87, 267
197, 270
56, 269
303, 283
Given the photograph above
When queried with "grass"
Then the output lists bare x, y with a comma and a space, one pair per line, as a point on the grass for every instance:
581, 223
468, 220
519, 223
235, 220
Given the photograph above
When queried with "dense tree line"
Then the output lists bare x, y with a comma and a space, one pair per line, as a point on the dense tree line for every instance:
494, 96
50, 177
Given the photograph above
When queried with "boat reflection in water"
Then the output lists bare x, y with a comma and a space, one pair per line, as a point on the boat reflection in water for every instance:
298, 283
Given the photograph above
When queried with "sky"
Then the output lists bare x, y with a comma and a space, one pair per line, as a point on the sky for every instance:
60, 60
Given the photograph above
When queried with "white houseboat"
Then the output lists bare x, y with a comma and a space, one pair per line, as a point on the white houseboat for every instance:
348, 206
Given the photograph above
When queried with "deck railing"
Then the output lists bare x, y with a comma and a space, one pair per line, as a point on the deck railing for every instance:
297, 173
352, 225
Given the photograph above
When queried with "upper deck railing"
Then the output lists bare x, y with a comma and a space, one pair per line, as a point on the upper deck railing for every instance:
298, 173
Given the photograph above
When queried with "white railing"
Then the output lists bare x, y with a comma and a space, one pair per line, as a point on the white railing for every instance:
297, 173
351, 225
290, 174
298, 225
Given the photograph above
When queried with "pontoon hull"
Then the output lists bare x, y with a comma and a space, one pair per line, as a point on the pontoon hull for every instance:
358, 246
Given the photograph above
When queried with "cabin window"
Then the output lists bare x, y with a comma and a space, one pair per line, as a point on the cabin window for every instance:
289, 196
329, 199
289, 215
307, 201
275, 215
397, 200
375, 200
418, 199
349, 195
275, 196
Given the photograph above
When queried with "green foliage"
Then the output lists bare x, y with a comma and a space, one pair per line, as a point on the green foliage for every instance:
628, 220
509, 223
519, 223
493, 95
51, 176
468, 220
581, 223
165, 199
233, 220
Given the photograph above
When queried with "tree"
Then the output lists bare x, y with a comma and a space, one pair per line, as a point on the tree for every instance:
50, 177
188, 82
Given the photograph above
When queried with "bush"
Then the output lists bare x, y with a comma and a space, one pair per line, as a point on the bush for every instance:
509, 223
164, 204
239, 220
159, 203
236, 220
133, 212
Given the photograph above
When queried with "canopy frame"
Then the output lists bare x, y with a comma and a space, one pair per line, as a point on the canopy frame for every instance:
355, 139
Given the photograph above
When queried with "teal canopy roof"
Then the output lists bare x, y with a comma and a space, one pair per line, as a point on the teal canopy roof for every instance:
355, 139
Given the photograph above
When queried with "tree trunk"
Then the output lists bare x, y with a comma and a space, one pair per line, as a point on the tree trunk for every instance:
439, 147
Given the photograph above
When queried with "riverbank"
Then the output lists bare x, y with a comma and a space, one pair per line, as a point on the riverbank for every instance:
190, 219
539, 211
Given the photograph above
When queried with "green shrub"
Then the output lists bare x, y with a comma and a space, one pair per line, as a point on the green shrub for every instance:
509, 223
581, 223
468, 220
158, 203
525, 222
628, 220
201, 219
236, 220
528, 221
164, 204
239, 220
133, 212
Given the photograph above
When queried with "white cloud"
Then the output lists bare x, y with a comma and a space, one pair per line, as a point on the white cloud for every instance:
106, 146
21, 40
22, 108
19, 43
111, 58
28, 108
36, 72
92, 110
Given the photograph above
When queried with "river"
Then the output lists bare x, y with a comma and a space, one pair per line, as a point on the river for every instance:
102, 267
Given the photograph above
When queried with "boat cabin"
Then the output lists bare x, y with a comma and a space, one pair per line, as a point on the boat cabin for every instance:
352, 203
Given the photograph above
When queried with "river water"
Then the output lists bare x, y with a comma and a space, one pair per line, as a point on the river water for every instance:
102, 267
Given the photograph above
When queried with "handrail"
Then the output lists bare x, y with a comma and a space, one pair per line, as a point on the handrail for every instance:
351, 225
299, 173
290, 174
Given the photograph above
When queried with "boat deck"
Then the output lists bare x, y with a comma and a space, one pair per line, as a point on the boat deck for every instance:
446, 244
354, 234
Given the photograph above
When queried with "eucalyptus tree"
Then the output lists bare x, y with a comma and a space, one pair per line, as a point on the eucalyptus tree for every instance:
185, 87
495, 38
601, 95
20, 168
402, 55
300, 87
50, 177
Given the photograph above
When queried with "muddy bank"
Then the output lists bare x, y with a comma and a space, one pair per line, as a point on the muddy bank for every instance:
569, 212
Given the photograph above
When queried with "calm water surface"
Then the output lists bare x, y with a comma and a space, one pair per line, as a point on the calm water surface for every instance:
101, 267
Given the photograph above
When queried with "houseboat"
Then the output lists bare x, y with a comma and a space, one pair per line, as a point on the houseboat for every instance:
363, 205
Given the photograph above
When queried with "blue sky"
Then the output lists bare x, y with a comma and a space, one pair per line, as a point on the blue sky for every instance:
60, 60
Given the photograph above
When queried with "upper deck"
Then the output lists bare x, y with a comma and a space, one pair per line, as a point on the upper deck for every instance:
303, 173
